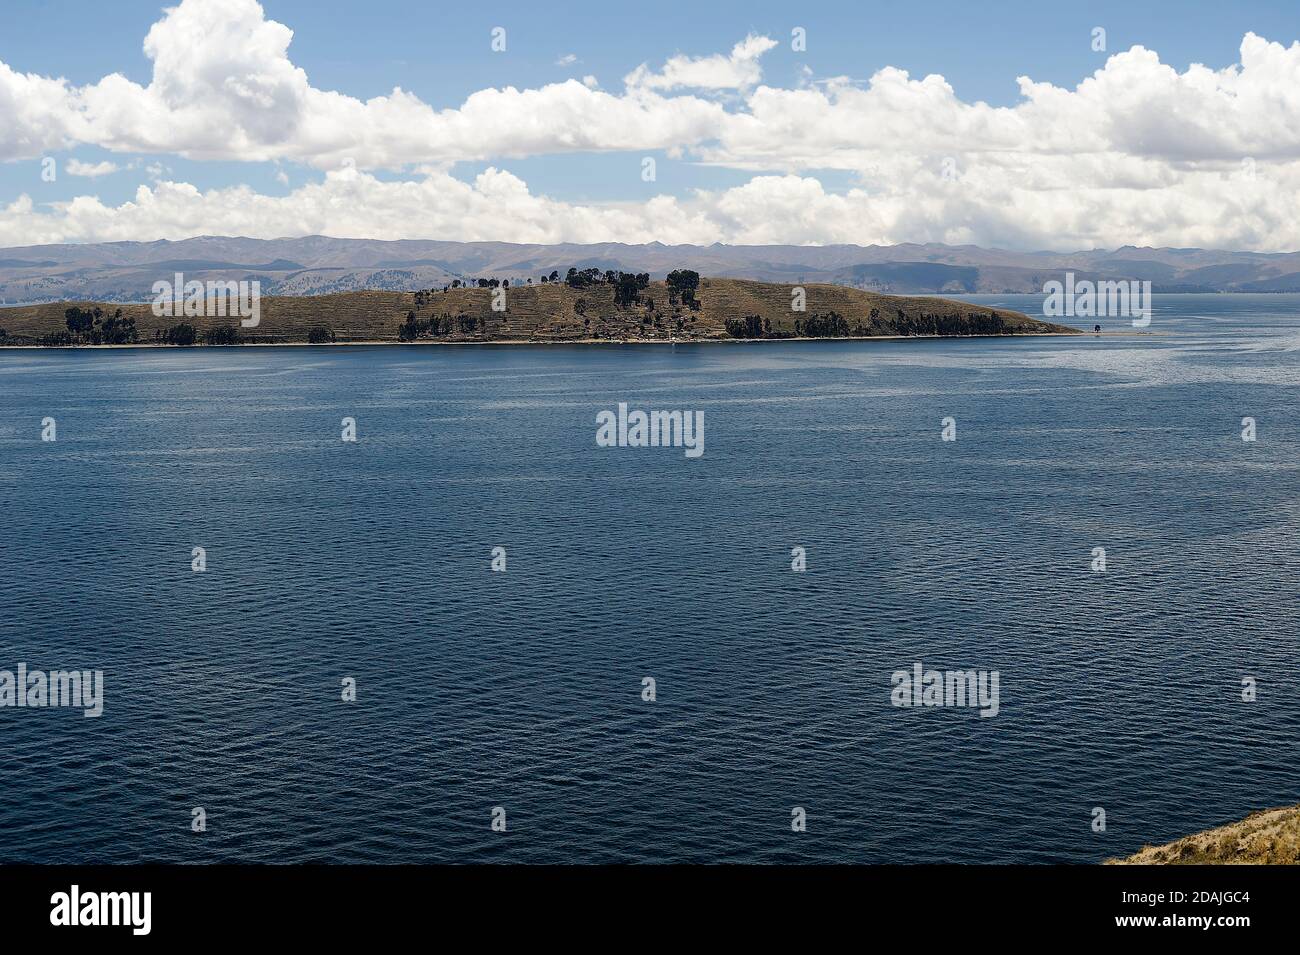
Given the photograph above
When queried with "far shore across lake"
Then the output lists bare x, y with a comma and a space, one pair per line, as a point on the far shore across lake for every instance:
584, 309
586, 341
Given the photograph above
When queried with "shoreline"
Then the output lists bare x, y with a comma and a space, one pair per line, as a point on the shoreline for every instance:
589, 341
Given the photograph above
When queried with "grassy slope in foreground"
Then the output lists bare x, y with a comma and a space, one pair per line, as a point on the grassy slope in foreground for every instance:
556, 312
1269, 837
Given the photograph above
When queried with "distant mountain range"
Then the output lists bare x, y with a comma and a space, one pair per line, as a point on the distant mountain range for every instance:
314, 265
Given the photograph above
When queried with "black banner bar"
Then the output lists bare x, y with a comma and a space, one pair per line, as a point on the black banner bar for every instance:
334, 903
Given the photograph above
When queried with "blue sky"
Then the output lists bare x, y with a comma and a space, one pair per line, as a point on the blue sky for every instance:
367, 48
440, 53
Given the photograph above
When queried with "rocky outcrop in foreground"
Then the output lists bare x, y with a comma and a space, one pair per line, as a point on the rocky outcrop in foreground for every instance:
1269, 837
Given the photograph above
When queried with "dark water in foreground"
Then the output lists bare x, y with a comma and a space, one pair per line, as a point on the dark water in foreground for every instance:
476, 689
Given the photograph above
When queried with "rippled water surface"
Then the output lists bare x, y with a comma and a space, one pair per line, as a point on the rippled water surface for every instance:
522, 689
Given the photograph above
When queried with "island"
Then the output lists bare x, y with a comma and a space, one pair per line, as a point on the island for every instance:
584, 306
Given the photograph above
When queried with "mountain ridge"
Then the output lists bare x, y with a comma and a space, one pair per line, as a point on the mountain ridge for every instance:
312, 265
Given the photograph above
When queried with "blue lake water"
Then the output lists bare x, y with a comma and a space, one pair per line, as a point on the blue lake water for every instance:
371, 560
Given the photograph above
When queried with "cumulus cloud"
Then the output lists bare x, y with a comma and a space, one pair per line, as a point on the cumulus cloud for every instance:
984, 206
37, 115
740, 70
223, 87
76, 167
495, 205
1138, 152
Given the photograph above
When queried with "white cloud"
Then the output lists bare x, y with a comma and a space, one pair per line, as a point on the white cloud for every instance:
1138, 152
349, 203
221, 65
75, 167
740, 70
985, 206
567, 60
223, 87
